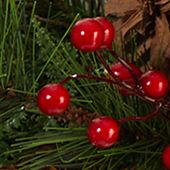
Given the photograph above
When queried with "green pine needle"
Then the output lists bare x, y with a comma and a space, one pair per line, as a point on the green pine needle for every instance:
31, 56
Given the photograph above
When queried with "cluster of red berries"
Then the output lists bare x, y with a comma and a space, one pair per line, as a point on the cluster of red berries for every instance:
91, 35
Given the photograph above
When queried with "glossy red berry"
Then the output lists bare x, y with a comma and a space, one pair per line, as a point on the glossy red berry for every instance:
125, 75
103, 132
166, 157
87, 35
53, 99
154, 84
109, 31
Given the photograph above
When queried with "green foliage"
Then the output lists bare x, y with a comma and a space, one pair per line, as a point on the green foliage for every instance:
31, 57
56, 15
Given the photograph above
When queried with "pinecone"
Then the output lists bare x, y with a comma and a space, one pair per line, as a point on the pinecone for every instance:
75, 116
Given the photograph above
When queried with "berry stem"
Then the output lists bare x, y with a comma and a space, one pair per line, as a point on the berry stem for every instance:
135, 90
109, 81
124, 63
87, 76
159, 104
143, 118
118, 81
103, 79
107, 67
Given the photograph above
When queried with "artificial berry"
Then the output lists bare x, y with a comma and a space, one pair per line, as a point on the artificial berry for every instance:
109, 31
125, 75
103, 131
53, 99
87, 35
166, 157
154, 84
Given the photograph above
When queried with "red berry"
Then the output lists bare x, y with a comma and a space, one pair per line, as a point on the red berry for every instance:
154, 84
87, 35
166, 157
103, 132
53, 99
125, 75
109, 31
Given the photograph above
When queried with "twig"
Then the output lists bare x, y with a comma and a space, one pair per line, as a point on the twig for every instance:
143, 118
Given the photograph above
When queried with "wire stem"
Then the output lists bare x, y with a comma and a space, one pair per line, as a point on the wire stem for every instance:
136, 89
88, 76
143, 118
124, 63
